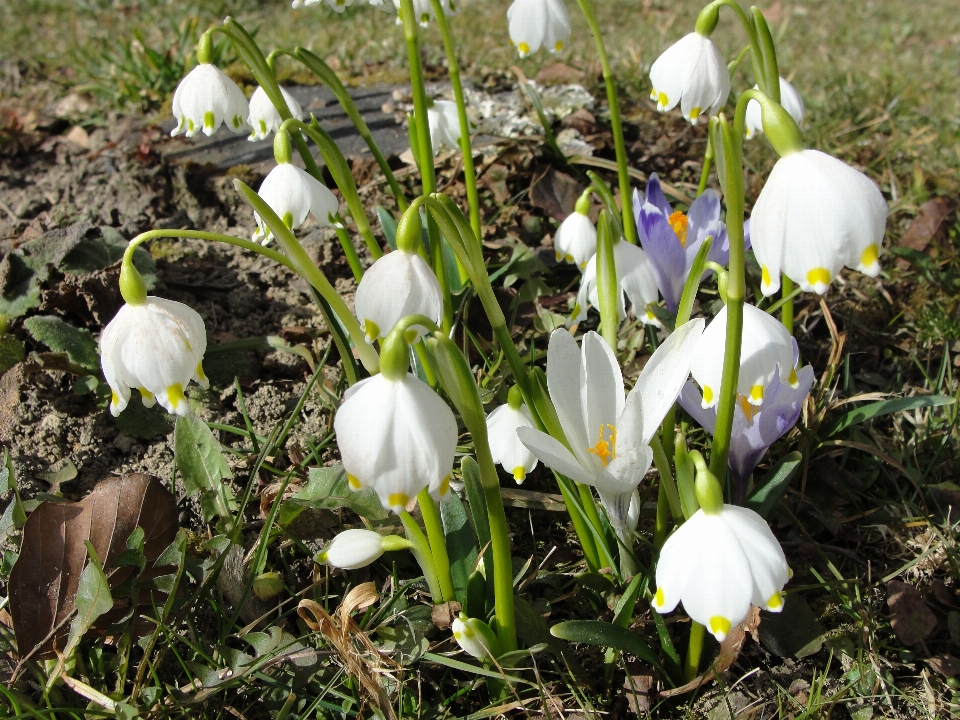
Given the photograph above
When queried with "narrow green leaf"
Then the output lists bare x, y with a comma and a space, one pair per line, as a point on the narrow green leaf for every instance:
327, 488
461, 546
60, 336
604, 634
623, 612
474, 669
475, 499
198, 457
765, 499
884, 407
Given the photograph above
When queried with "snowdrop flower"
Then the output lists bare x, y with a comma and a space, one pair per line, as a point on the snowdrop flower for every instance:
444, 124
357, 548
815, 215
157, 347
693, 73
398, 284
204, 99
609, 434
636, 279
576, 238
755, 428
423, 10
264, 118
673, 239
767, 349
538, 22
718, 563
397, 436
475, 637
506, 448
337, 5
293, 194
790, 100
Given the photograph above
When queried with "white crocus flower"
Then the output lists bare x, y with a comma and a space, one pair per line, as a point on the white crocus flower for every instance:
444, 124
293, 194
352, 549
576, 239
609, 434
475, 637
423, 10
693, 73
398, 437
790, 100
204, 99
157, 347
814, 215
536, 23
398, 284
264, 118
718, 564
766, 348
505, 447
635, 277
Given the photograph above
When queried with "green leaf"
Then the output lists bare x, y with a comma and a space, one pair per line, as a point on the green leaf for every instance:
11, 352
19, 285
102, 247
198, 456
884, 407
327, 488
623, 612
766, 498
470, 471
604, 634
794, 631
460, 544
59, 336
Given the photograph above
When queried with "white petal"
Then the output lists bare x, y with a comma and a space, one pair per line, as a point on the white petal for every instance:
554, 455
563, 384
505, 446
768, 565
264, 117
397, 285
576, 240
353, 549
601, 391
557, 30
528, 24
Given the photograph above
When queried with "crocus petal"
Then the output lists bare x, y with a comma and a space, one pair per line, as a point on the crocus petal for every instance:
563, 384
668, 259
601, 393
554, 455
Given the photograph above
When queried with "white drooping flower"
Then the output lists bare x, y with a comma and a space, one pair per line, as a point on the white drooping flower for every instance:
635, 277
157, 347
815, 215
204, 99
444, 125
790, 100
423, 10
536, 23
398, 284
609, 434
398, 437
505, 446
352, 549
264, 118
766, 349
475, 637
718, 564
693, 73
576, 239
293, 194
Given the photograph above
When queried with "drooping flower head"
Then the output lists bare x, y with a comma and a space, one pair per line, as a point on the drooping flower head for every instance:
672, 239
156, 346
505, 446
576, 238
423, 10
205, 99
444, 125
398, 284
693, 73
635, 277
536, 23
264, 118
790, 100
608, 433
357, 548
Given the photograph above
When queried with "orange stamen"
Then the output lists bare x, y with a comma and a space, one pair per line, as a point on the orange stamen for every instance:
678, 221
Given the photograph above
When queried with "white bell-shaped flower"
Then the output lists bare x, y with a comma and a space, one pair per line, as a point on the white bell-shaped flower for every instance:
352, 549
765, 348
815, 215
204, 99
157, 347
398, 284
536, 23
790, 100
576, 239
635, 277
693, 73
444, 125
475, 637
398, 437
264, 118
506, 448
718, 565
423, 9
609, 434
293, 194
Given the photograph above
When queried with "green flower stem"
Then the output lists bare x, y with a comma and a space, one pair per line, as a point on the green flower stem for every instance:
732, 146
662, 524
787, 293
311, 273
453, 70
756, 52
209, 237
422, 552
705, 173
353, 260
629, 227
662, 464
771, 68
438, 544
607, 286
691, 665
411, 35
323, 71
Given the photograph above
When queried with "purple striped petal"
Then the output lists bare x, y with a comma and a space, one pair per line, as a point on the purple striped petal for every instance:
666, 254
656, 197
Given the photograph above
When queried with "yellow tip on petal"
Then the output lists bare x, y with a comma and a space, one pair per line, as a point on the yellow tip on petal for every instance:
695, 113
559, 46
147, 395
719, 626
114, 398
444, 487
793, 379
819, 279
457, 635
523, 48
659, 599
371, 330
175, 395
208, 120
869, 256
200, 373
789, 572
353, 482
707, 395
775, 602
398, 500
519, 474
765, 274
756, 395
662, 101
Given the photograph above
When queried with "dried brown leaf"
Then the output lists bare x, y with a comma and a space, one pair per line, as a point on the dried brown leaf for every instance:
910, 617
924, 227
555, 193
946, 665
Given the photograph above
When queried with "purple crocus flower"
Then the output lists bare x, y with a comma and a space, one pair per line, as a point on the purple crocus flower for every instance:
672, 239
755, 429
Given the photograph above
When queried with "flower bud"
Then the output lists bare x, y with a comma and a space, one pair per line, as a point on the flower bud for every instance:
475, 637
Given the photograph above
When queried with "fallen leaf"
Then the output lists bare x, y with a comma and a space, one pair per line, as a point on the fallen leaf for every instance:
444, 614
46, 577
555, 193
79, 137
946, 665
637, 684
558, 74
924, 227
910, 617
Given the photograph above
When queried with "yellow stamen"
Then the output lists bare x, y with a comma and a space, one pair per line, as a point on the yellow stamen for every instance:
444, 487
175, 395
775, 602
719, 625
354, 483
818, 276
756, 394
519, 473
659, 599
400, 499
559, 46
748, 410
524, 48
707, 394
765, 274
678, 221
869, 256
603, 449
